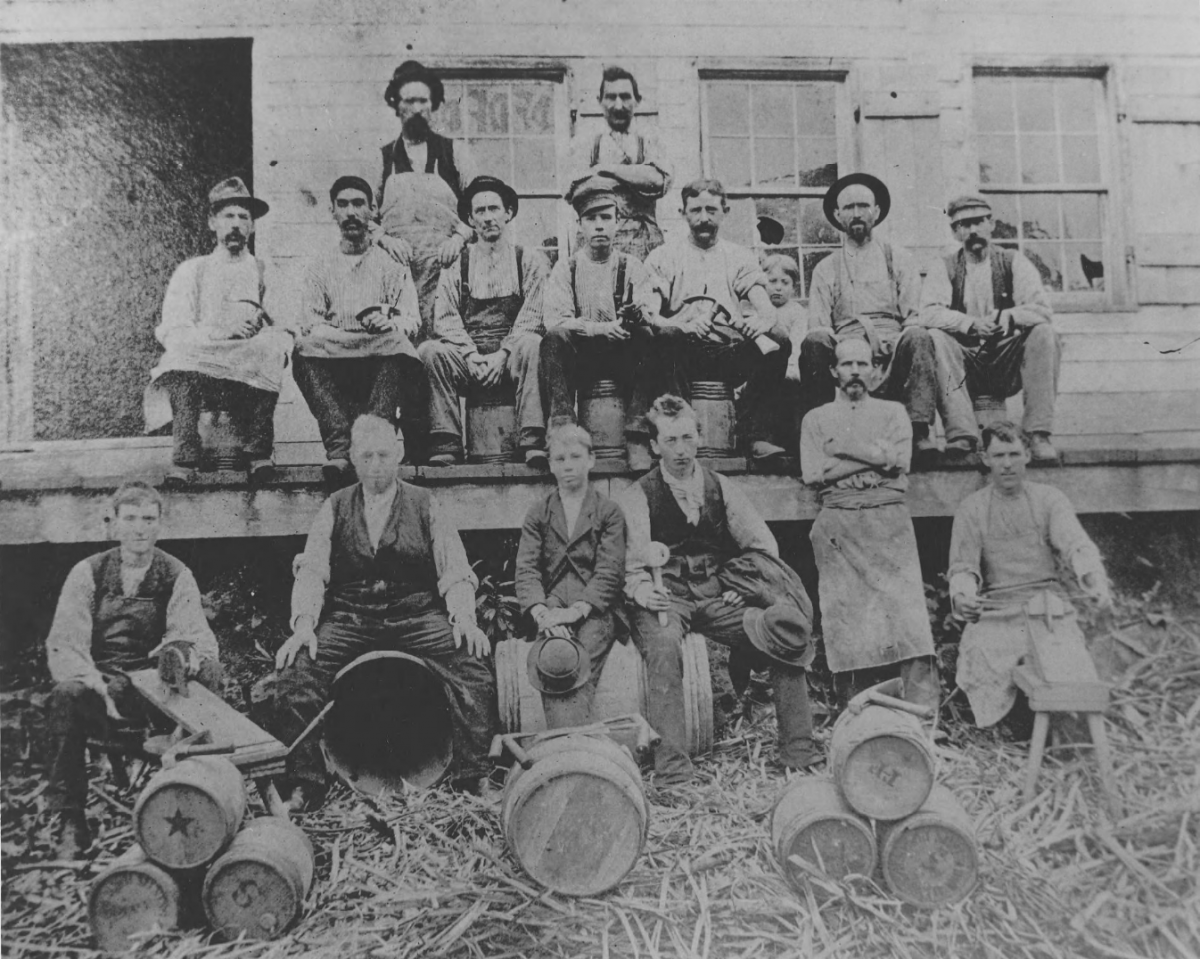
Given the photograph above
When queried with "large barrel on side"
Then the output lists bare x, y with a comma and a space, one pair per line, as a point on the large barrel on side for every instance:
602, 414
576, 820
812, 822
258, 886
188, 814
491, 424
882, 760
931, 858
133, 896
716, 421
390, 723
622, 689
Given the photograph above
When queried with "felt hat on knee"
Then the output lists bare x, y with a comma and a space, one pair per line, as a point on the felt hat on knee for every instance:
558, 665
782, 633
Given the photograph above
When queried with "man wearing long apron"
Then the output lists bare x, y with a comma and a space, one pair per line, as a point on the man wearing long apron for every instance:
856, 452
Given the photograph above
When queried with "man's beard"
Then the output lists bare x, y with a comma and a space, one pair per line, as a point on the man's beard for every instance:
855, 388
234, 241
416, 128
620, 121
858, 230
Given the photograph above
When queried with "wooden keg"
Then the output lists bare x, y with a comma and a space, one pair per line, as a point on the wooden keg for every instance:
405, 706
220, 440
812, 822
602, 414
715, 418
622, 689
931, 858
576, 820
492, 432
882, 760
989, 410
258, 887
133, 896
188, 814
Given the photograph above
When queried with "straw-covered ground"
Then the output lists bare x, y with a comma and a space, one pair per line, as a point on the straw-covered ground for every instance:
427, 874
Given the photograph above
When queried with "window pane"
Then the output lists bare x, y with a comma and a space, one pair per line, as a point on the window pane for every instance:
774, 164
537, 222
535, 163
533, 108
1035, 104
448, 119
492, 157
1004, 213
1076, 103
818, 161
1045, 256
1081, 159
997, 159
731, 162
816, 109
740, 225
1084, 266
810, 263
728, 109
814, 228
772, 109
1039, 217
1081, 216
487, 109
1039, 158
993, 105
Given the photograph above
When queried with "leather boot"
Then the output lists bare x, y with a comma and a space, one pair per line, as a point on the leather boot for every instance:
797, 748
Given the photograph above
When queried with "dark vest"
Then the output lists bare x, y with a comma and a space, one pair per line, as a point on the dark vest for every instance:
1002, 278
439, 159
126, 628
697, 552
399, 577
488, 322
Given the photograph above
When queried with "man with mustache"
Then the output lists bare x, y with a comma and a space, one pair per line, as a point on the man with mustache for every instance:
992, 307
633, 160
871, 289
856, 453
358, 321
714, 338
222, 349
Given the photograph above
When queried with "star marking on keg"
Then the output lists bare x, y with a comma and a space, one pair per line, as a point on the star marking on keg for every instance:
179, 823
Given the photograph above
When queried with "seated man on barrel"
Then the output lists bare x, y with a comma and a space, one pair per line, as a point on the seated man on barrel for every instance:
723, 578
487, 326
570, 570
118, 611
383, 569
704, 281
601, 317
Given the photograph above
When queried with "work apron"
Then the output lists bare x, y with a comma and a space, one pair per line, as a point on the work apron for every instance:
489, 321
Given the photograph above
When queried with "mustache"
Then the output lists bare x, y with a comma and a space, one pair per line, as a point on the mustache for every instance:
417, 127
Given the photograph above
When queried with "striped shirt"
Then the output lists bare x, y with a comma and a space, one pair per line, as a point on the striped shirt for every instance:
592, 298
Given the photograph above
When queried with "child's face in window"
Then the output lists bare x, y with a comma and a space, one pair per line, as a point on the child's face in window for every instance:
779, 286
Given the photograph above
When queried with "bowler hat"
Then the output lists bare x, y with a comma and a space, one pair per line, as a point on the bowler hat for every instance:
351, 182
486, 184
558, 665
592, 193
964, 204
410, 71
782, 632
883, 199
233, 190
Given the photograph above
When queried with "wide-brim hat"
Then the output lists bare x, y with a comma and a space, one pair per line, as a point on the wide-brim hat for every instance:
883, 199
410, 71
781, 632
592, 193
233, 190
486, 184
558, 665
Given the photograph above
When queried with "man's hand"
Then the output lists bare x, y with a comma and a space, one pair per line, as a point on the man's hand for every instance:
985, 326
448, 252
732, 598
967, 606
558, 632
1095, 585
489, 369
792, 373
699, 327
749, 327
563, 616
302, 635
477, 641
398, 249
656, 599
110, 707
613, 332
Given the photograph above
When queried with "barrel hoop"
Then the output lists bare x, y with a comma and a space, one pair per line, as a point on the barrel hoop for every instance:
712, 390
600, 390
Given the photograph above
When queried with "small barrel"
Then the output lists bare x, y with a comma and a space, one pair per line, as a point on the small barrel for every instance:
390, 724
220, 439
622, 689
491, 424
931, 858
602, 414
883, 761
258, 887
577, 820
188, 814
132, 896
715, 418
989, 409
811, 821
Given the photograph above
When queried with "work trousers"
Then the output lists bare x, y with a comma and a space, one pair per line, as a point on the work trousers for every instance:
643, 369
304, 686
449, 377
1026, 361
252, 410
596, 635
919, 675
340, 390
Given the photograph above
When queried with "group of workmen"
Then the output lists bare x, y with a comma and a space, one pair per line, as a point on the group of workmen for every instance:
682, 549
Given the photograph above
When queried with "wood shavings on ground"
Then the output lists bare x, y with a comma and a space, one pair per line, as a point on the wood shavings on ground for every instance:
427, 874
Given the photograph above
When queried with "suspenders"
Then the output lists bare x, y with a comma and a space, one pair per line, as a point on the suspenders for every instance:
618, 285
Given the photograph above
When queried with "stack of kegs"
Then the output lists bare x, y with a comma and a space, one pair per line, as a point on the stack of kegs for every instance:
882, 810
196, 857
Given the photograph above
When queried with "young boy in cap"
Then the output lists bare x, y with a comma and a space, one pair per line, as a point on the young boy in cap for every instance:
569, 577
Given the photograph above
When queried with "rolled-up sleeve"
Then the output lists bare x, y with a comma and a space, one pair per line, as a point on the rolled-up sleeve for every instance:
180, 309
1031, 302
966, 541
69, 643
558, 304
186, 621
936, 295
456, 580
447, 320
1068, 537
311, 568
533, 286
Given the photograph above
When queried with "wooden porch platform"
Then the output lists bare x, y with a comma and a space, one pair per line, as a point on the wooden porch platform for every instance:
56, 492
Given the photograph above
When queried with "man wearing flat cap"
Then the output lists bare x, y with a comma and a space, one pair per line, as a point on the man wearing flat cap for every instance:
871, 289
992, 307
601, 317
488, 326
423, 176
358, 321
222, 349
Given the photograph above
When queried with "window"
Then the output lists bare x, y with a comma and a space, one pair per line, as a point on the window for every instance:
1040, 141
775, 145
512, 127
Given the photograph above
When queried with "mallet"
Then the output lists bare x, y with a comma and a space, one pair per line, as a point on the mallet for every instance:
656, 558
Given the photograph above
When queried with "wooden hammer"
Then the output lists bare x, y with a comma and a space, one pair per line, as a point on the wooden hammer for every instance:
657, 555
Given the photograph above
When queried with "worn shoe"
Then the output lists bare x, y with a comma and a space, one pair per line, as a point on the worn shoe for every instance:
337, 473
537, 459
1041, 450
442, 460
178, 476
71, 835
763, 452
924, 453
807, 755
260, 471
960, 453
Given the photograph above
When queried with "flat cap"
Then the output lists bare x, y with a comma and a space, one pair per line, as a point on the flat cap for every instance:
961, 207
592, 193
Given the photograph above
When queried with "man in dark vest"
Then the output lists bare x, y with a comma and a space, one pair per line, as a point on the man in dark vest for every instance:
724, 579
117, 612
383, 569
991, 303
488, 326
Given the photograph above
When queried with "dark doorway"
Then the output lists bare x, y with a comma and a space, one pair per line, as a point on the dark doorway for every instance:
110, 149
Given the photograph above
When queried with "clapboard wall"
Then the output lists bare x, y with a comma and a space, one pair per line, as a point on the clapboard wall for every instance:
906, 69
